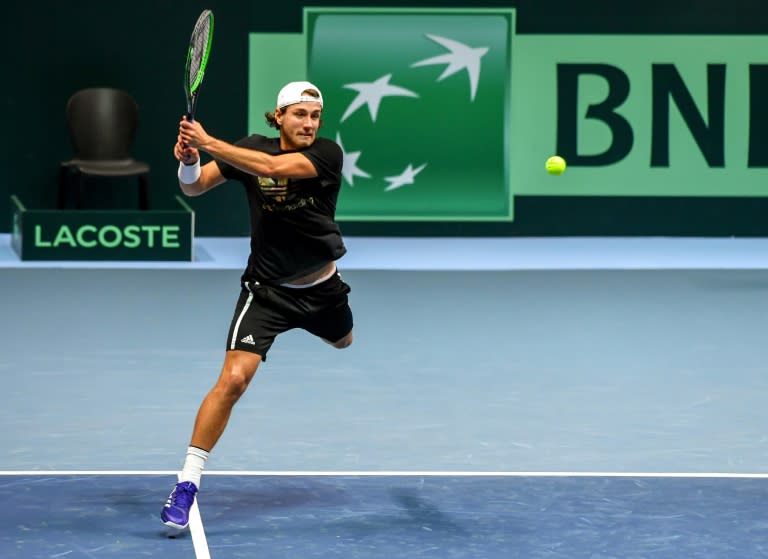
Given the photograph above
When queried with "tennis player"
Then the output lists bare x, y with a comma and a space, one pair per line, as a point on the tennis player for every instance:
292, 182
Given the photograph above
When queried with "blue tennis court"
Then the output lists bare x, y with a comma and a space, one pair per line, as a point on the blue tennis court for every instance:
372, 516
503, 398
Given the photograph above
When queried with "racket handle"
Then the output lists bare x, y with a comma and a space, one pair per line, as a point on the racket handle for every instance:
190, 118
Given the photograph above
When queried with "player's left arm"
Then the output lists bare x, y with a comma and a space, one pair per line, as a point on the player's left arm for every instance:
288, 165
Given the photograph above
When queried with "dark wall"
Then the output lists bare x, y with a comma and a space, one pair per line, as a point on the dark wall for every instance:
53, 49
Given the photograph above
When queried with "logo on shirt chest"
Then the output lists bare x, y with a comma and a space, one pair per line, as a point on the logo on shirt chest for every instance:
276, 189
278, 197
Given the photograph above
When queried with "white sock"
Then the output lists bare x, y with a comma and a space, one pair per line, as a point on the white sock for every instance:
193, 465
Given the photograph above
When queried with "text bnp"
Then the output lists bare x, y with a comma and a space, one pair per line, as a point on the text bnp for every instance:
667, 87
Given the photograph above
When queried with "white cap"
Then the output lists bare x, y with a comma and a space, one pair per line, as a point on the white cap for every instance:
292, 93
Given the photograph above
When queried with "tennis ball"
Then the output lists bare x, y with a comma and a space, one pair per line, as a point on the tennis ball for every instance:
555, 165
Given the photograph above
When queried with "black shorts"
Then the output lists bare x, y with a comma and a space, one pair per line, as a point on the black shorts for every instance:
264, 311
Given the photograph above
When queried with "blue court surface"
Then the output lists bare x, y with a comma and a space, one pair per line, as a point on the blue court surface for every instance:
503, 398
373, 516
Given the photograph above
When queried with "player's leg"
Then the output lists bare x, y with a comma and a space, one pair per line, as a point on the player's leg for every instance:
329, 315
212, 417
255, 324
345, 341
252, 330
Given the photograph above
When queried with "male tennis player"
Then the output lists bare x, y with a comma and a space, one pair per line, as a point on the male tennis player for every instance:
292, 183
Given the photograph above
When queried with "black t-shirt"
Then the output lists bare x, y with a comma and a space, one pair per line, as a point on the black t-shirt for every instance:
293, 228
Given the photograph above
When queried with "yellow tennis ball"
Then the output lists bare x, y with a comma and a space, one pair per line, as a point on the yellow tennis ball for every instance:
555, 165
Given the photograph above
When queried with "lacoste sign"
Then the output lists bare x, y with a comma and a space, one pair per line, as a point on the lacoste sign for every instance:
102, 235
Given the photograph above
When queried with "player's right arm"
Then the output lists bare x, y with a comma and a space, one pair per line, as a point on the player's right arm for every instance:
210, 176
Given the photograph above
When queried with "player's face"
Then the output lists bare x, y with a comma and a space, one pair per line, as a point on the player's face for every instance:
299, 124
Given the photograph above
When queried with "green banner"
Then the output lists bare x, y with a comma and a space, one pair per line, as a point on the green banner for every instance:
418, 99
103, 234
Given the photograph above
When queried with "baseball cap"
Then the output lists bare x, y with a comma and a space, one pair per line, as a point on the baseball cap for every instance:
291, 93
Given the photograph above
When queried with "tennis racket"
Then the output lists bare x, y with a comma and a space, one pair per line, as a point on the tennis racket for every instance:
197, 60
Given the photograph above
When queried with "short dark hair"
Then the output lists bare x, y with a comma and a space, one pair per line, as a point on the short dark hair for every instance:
271, 120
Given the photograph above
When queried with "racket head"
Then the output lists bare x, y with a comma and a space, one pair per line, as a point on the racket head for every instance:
197, 58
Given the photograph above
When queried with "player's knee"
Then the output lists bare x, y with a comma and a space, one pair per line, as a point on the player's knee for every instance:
230, 387
237, 375
235, 385
346, 341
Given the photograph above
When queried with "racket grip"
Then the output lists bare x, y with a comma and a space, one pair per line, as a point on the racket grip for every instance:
190, 118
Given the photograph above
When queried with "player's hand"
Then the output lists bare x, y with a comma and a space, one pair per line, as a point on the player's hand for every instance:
193, 134
184, 153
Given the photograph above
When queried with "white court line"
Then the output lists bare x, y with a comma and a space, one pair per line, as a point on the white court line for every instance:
384, 473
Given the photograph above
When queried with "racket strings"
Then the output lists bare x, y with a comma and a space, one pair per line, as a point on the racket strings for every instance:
198, 47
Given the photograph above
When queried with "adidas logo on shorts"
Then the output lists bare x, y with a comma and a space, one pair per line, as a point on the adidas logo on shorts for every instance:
248, 340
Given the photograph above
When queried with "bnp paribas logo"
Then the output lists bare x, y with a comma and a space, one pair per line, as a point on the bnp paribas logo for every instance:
419, 102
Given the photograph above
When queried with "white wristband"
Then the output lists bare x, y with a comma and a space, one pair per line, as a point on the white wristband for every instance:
189, 173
